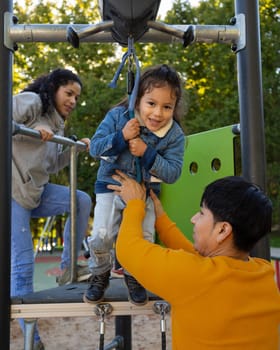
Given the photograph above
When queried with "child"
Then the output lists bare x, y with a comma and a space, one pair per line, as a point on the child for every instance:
155, 139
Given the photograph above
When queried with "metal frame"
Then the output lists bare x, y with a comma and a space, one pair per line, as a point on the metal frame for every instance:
233, 34
248, 53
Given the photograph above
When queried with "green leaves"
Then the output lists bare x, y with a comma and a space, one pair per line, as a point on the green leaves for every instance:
209, 71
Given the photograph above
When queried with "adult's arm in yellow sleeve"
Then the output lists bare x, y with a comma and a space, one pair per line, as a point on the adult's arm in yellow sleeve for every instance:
154, 266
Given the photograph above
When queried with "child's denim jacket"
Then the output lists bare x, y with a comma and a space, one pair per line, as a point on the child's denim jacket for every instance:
161, 162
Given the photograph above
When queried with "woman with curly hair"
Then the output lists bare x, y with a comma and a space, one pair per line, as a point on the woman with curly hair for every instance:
44, 105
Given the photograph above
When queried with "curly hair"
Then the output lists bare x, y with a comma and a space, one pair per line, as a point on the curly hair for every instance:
47, 85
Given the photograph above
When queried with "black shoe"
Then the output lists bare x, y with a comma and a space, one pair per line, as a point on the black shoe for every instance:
136, 293
96, 288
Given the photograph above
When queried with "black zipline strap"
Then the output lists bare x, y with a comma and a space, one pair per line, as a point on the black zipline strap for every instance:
132, 89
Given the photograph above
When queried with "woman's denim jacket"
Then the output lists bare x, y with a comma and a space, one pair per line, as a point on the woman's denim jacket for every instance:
162, 160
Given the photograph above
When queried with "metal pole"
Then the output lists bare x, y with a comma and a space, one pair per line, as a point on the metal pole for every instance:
6, 62
123, 328
251, 106
73, 212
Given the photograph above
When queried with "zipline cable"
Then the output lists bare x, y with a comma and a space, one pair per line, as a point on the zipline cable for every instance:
132, 88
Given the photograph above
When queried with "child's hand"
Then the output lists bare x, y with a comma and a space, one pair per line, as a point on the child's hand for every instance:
157, 204
131, 129
137, 147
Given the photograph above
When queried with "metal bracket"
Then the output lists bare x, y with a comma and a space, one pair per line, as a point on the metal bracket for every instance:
240, 23
9, 20
161, 307
103, 309
234, 34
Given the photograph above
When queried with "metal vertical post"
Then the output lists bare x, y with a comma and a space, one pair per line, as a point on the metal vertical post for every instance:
251, 106
6, 62
123, 328
73, 212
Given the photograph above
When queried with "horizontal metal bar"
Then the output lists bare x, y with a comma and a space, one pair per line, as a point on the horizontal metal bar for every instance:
23, 130
216, 34
58, 32
100, 32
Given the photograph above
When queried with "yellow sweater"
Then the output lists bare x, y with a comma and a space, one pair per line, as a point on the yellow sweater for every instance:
217, 303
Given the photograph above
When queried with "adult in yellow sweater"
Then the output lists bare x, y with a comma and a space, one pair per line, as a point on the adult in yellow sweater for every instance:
220, 297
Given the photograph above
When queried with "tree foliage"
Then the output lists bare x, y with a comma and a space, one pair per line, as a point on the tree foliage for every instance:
209, 72
92, 61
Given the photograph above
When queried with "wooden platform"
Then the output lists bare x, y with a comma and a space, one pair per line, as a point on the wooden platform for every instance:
67, 301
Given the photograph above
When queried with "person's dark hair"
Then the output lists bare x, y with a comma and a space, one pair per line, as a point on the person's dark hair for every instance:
242, 204
47, 85
159, 76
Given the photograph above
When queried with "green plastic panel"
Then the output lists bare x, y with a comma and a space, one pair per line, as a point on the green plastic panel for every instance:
208, 156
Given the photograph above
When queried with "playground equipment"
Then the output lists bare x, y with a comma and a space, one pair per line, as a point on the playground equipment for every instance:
242, 35
201, 165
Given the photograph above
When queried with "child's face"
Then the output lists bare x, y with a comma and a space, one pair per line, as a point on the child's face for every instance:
156, 107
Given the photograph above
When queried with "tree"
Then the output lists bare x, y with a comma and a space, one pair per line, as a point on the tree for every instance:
209, 72
270, 30
92, 61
